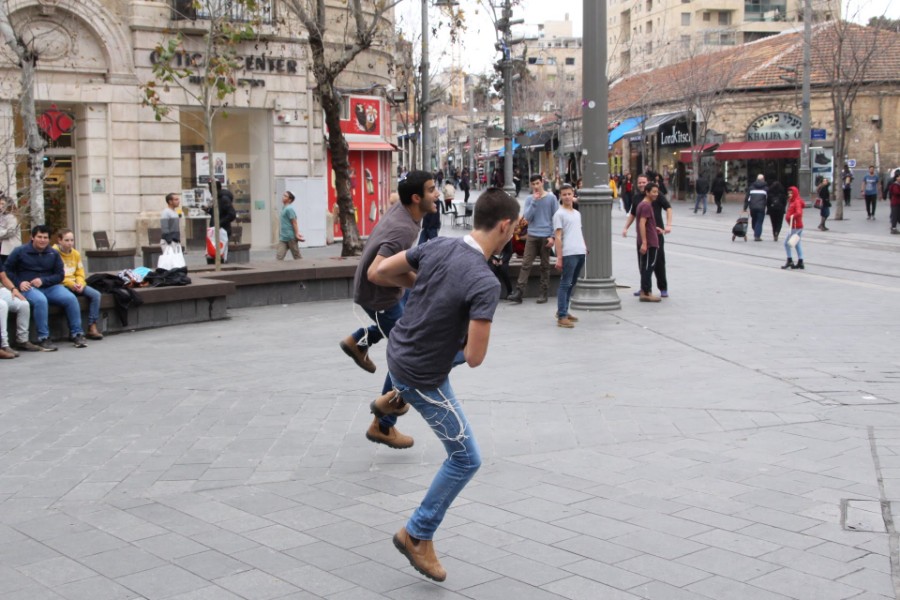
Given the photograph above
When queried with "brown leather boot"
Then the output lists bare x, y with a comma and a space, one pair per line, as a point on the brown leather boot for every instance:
359, 355
93, 333
389, 403
390, 438
420, 554
649, 297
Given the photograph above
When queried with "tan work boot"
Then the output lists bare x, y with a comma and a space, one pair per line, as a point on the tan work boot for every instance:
649, 298
565, 322
389, 403
391, 438
569, 316
359, 356
93, 333
420, 554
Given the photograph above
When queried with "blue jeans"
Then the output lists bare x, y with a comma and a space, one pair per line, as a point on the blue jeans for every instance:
442, 412
787, 247
757, 218
428, 233
39, 298
384, 322
700, 198
571, 271
93, 297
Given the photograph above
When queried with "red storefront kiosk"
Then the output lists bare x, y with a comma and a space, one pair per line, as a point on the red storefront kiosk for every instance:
365, 123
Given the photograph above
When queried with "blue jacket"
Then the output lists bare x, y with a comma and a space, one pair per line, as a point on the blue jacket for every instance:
26, 263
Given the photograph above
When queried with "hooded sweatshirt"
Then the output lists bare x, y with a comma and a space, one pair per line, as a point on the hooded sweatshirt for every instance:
757, 197
72, 267
795, 209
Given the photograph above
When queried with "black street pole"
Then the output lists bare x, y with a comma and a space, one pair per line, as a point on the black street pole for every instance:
597, 289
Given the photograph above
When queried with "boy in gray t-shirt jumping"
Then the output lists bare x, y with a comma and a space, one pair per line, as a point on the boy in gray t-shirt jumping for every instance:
452, 279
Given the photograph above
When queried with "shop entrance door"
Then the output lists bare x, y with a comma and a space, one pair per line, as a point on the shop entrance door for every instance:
58, 198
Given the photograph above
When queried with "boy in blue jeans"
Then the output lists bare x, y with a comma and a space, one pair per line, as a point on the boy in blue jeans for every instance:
570, 253
451, 278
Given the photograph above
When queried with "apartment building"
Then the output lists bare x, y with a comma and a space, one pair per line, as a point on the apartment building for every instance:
554, 60
646, 34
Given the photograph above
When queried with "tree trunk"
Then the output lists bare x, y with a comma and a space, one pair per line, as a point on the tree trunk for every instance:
34, 142
340, 163
214, 190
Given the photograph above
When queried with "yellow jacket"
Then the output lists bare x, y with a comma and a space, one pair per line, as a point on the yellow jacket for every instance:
612, 184
73, 267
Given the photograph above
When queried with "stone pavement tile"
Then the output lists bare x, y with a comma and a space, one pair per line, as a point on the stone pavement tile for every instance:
224, 541
712, 518
253, 500
667, 571
543, 553
212, 564
781, 537
95, 588
481, 533
425, 589
88, 490
245, 523
374, 577
268, 560
608, 508
728, 564
56, 571
736, 542
256, 585
25, 552
32, 593
303, 518
538, 531
210, 592
876, 562
720, 588
597, 549
492, 516
327, 556
316, 581
804, 587
365, 514
162, 582
505, 588
279, 537
171, 519
396, 503
460, 574
833, 532
810, 563
470, 550
121, 561
538, 509
356, 594
673, 525
170, 546
597, 526
606, 574
581, 588
346, 534
777, 518
122, 524
51, 526
657, 590
871, 581
524, 569
11, 580
85, 543
657, 543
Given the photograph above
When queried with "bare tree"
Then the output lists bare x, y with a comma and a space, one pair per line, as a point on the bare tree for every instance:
207, 82
330, 57
848, 55
27, 55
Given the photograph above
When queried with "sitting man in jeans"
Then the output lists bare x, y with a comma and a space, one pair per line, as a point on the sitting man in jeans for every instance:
37, 271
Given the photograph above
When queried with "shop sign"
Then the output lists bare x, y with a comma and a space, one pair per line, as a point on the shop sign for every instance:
256, 64
678, 134
365, 116
817, 134
775, 126
54, 122
218, 161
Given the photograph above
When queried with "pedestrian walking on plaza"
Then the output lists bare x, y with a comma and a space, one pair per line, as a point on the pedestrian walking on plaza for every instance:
647, 241
847, 183
659, 205
570, 252
893, 193
381, 299
718, 190
794, 217
775, 205
627, 192
702, 188
75, 280
756, 201
289, 236
824, 191
453, 281
870, 191
37, 271
540, 206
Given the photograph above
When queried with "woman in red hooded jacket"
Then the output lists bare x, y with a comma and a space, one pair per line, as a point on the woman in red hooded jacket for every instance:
794, 217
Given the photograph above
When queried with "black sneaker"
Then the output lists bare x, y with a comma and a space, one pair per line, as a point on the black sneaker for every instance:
46, 345
78, 340
27, 346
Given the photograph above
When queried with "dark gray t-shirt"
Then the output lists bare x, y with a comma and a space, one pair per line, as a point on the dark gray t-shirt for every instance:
394, 233
453, 285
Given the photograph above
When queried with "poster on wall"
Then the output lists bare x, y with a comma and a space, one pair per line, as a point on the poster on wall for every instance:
356, 191
822, 162
365, 116
218, 161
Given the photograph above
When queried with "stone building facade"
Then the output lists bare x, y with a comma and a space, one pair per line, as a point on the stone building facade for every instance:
111, 171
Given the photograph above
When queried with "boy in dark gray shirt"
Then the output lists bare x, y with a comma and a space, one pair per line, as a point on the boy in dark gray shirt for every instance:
453, 280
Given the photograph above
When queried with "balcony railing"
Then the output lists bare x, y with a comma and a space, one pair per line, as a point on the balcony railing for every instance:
231, 9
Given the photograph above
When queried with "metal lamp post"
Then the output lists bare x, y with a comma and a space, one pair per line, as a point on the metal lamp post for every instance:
425, 108
597, 289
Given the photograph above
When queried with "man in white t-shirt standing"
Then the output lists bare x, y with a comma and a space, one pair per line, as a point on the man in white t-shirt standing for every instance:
570, 252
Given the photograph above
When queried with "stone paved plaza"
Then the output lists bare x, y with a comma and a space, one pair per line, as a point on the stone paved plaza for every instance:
740, 440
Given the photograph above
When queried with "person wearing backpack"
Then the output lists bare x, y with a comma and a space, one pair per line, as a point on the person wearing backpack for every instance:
775, 204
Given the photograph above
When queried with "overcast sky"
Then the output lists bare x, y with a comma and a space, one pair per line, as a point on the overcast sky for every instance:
477, 53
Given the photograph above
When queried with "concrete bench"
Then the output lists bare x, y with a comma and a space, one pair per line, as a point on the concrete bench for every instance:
115, 259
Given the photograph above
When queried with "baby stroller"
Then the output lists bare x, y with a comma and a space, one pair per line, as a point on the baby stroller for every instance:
740, 227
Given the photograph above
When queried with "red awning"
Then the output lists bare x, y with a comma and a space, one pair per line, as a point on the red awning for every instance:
372, 146
686, 153
756, 150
